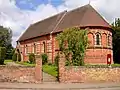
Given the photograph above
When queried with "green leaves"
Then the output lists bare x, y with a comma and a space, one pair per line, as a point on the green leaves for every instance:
73, 41
32, 58
5, 41
2, 55
116, 40
5, 36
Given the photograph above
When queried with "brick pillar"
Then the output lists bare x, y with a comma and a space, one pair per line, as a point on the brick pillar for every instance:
61, 67
38, 69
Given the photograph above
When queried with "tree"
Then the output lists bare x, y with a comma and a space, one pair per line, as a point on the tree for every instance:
5, 36
9, 51
19, 57
2, 55
73, 41
14, 57
116, 40
5, 41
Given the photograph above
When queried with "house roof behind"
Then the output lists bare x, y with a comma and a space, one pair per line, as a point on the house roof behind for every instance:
82, 16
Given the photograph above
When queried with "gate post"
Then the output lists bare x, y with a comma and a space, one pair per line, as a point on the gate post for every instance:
61, 67
38, 69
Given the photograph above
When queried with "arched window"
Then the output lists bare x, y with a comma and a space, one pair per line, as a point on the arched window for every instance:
44, 48
109, 40
34, 48
26, 49
98, 39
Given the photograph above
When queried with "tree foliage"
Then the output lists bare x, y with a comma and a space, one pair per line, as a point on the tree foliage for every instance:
19, 57
32, 58
9, 52
14, 57
5, 36
5, 41
2, 55
44, 57
73, 41
56, 59
116, 40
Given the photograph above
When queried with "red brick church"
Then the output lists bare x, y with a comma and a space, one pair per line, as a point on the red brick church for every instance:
41, 37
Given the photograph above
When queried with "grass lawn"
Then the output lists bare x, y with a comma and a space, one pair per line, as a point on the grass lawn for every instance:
98, 65
116, 65
50, 69
25, 63
6, 61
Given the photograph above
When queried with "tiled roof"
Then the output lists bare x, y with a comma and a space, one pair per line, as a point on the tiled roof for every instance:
82, 16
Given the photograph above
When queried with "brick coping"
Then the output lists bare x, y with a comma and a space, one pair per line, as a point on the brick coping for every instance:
99, 66
18, 66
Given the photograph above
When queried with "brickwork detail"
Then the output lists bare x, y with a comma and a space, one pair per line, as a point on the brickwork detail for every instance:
61, 67
74, 74
22, 74
17, 74
96, 54
38, 69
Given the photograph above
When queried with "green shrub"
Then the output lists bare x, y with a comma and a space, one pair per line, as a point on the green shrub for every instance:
56, 60
49, 63
14, 57
2, 55
67, 63
73, 43
27, 61
44, 58
19, 57
32, 58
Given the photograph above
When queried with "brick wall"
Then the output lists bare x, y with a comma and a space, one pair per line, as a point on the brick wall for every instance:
97, 56
22, 74
94, 54
87, 74
39, 47
78, 74
17, 74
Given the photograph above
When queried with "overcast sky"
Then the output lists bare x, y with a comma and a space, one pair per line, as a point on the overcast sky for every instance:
19, 14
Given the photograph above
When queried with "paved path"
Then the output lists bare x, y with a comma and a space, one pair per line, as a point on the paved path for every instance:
57, 86
48, 78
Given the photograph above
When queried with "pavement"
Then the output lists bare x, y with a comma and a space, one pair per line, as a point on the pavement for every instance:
60, 86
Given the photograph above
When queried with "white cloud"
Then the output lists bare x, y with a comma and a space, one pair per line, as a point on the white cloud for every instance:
108, 8
18, 20
71, 4
43, 11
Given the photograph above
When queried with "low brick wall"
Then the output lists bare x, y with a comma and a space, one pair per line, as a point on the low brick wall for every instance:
89, 74
17, 74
